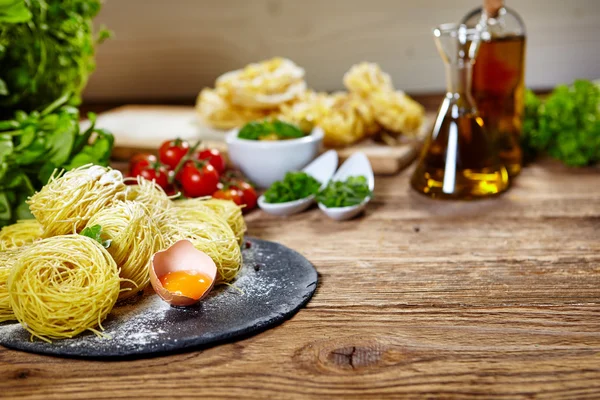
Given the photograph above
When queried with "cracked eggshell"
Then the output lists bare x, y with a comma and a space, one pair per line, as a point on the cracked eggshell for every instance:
181, 256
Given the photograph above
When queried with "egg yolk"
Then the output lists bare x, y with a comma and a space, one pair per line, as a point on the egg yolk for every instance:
188, 284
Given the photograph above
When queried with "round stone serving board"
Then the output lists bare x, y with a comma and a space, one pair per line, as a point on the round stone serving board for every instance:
275, 282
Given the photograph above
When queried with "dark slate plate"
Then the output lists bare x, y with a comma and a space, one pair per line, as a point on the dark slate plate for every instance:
275, 282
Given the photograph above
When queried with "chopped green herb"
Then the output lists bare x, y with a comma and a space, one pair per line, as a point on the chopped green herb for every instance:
295, 186
270, 130
346, 193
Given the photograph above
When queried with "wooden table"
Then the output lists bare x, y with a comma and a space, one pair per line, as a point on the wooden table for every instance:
421, 298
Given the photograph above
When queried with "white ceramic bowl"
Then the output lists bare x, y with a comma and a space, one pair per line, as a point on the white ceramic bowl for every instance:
265, 162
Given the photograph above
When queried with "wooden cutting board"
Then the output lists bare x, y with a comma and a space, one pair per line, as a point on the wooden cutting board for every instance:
142, 128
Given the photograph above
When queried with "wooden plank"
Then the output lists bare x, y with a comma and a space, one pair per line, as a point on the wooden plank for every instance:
417, 299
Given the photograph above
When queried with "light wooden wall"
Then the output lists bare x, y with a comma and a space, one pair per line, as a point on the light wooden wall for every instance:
167, 49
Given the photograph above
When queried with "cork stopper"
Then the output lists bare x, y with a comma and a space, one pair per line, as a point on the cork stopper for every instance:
492, 7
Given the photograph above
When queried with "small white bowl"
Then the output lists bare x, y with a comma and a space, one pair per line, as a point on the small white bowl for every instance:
356, 165
265, 162
322, 169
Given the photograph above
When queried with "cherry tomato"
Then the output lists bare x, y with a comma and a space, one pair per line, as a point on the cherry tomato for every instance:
249, 194
140, 161
198, 179
155, 172
214, 157
172, 151
232, 194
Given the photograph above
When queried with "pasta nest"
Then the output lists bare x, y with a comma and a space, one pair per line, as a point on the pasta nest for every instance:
264, 85
397, 112
348, 120
7, 261
153, 197
134, 238
217, 112
209, 233
70, 199
62, 286
226, 209
307, 110
366, 78
20, 233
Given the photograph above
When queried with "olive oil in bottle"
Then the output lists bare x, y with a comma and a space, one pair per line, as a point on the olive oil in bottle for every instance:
460, 159
498, 85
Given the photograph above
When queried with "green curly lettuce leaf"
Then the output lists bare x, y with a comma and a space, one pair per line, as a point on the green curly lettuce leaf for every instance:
566, 125
47, 48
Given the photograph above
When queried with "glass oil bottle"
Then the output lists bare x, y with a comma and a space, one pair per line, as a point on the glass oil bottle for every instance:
459, 159
499, 77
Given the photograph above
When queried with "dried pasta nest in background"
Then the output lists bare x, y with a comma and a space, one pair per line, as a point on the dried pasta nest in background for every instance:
217, 112
134, 238
307, 111
264, 85
366, 78
70, 199
20, 233
346, 122
397, 112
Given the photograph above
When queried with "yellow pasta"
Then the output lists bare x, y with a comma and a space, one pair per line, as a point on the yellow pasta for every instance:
264, 85
397, 112
208, 233
62, 286
226, 209
7, 260
20, 233
343, 124
220, 114
134, 238
153, 197
70, 199
367, 78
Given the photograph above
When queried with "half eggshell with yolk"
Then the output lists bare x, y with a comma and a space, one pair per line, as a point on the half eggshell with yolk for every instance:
182, 259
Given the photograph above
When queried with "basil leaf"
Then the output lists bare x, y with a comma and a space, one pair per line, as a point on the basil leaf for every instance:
95, 232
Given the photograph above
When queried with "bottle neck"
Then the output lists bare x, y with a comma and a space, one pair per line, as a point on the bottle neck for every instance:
492, 8
458, 84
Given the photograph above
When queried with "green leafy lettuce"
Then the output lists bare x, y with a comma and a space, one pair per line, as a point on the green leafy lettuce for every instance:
47, 49
566, 125
33, 145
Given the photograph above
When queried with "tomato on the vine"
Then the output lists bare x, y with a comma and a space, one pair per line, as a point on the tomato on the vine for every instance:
172, 151
140, 161
248, 193
232, 194
153, 172
198, 179
214, 157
